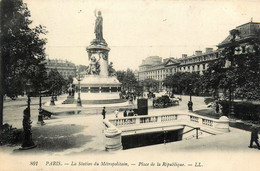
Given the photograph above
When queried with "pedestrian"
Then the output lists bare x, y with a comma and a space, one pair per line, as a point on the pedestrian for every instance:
130, 99
104, 112
131, 113
217, 107
116, 113
254, 137
125, 113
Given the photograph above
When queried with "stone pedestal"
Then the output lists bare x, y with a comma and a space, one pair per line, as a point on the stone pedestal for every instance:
103, 67
223, 125
96, 84
99, 50
113, 139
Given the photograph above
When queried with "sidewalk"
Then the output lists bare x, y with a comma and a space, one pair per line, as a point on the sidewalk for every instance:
68, 138
82, 134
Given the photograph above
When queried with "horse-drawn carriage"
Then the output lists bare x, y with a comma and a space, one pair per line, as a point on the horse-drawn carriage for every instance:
164, 101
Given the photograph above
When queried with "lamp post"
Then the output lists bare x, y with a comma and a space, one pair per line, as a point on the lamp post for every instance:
190, 104
79, 100
40, 116
231, 104
52, 98
27, 141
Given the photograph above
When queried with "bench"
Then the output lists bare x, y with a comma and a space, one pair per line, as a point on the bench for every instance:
46, 114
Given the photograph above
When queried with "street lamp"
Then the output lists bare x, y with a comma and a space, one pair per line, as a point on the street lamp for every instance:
52, 98
40, 116
190, 104
27, 141
79, 100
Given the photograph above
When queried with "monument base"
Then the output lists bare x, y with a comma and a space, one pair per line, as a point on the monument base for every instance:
100, 90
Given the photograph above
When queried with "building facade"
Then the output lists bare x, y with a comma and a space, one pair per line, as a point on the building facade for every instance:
157, 68
65, 68
162, 68
244, 36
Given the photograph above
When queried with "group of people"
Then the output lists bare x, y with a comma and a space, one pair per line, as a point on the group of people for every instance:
130, 113
128, 96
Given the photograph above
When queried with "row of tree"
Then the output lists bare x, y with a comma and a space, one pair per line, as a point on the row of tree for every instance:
183, 82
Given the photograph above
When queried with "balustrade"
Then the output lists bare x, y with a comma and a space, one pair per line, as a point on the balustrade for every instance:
207, 122
122, 122
148, 119
166, 118
186, 118
194, 119
113, 134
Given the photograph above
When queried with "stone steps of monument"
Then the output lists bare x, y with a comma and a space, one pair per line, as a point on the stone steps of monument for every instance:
91, 111
107, 101
69, 101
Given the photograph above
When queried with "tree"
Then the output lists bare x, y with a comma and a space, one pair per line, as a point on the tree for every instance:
55, 82
173, 82
213, 75
127, 78
179, 82
150, 84
70, 80
83, 68
237, 70
22, 49
120, 76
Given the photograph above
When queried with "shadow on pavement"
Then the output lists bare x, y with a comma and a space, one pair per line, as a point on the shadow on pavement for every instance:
57, 138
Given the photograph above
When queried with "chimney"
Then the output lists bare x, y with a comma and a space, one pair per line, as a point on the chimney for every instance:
198, 52
184, 55
209, 50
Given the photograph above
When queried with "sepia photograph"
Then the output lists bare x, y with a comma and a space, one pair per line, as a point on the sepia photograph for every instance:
129, 85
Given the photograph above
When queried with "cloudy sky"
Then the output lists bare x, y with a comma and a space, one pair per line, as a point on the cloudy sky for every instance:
137, 29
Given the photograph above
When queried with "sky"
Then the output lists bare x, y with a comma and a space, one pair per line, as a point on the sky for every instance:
136, 29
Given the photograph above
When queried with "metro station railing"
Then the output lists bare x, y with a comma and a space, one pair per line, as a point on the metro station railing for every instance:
187, 119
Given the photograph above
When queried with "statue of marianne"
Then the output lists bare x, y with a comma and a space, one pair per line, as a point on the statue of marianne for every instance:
98, 26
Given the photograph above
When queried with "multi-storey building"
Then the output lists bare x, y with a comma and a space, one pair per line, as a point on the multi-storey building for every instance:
243, 36
160, 69
64, 67
198, 62
154, 67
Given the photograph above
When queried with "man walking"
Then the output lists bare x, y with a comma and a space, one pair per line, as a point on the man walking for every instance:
254, 137
104, 112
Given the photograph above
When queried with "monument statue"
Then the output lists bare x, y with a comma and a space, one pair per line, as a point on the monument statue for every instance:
97, 84
94, 65
99, 26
